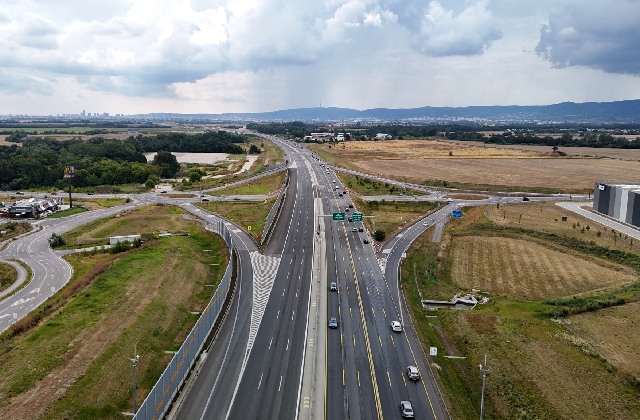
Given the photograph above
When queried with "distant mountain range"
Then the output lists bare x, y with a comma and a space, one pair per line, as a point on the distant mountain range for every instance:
619, 112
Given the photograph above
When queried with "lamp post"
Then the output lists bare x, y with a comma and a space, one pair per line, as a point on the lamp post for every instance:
134, 362
484, 369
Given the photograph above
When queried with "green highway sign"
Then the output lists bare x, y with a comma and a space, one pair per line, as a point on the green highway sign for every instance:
338, 216
357, 217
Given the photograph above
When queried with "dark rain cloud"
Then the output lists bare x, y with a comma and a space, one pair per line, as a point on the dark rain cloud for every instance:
599, 34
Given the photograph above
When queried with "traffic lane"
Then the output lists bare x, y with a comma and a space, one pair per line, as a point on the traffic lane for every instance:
334, 392
396, 355
378, 321
361, 379
217, 377
285, 312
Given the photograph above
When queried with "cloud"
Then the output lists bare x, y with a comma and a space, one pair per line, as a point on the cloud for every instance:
439, 32
12, 83
602, 36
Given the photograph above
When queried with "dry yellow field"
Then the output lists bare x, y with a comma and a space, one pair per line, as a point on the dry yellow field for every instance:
421, 160
624, 154
525, 270
547, 217
420, 149
613, 333
571, 174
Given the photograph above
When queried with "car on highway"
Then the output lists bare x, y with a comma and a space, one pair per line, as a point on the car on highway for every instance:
406, 409
333, 286
90, 193
360, 229
19, 193
350, 219
425, 223
396, 326
365, 241
413, 373
346, 210
333, 322
340, 195
350, 205
205, 199
354, 229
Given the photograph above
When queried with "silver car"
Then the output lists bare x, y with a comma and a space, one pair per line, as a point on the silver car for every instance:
405, 409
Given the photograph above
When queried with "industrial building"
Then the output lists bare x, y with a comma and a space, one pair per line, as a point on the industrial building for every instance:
620, 201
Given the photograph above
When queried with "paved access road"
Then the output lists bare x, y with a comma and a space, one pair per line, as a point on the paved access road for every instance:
49, 271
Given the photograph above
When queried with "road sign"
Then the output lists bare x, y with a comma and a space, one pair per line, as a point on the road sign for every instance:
456, 213
338, 216
357, 217
433, 351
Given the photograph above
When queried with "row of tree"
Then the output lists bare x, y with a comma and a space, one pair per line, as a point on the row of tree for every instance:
588, 139
40, 162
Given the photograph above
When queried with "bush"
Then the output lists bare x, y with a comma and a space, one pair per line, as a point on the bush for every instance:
379, 235
56, 240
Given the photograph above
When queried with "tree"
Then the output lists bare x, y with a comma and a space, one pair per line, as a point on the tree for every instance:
379, 235
166, 163
254, 150
195, 175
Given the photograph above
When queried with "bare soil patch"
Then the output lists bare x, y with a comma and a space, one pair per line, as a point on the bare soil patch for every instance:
612, 333
526, 270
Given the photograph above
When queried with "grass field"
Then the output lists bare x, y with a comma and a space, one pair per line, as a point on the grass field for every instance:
263, 186
547, 217
391, 217
142, 220
612, 332
539, 368
8, 276
68, 212
248, 215
476, 166
366, 186
13, 229
75, 363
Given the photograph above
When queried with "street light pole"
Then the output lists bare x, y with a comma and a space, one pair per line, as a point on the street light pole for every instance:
134, 362
484, 369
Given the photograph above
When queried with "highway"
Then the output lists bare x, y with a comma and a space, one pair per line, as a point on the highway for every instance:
274, 356
254, 369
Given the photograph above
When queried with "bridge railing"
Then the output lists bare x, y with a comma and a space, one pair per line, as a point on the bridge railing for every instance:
164, 391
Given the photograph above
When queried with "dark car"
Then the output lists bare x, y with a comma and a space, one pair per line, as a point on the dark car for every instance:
360, 229
365, 240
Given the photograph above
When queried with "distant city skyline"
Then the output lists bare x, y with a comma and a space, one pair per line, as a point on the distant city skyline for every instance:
181, 56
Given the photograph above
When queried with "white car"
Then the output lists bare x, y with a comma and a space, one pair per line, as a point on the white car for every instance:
405, 409
413, 373
396, 326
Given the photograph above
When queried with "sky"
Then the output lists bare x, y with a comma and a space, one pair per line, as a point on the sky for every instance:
217, 56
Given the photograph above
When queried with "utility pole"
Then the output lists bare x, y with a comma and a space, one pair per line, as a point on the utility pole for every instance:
134, 362
69, 172
484, 369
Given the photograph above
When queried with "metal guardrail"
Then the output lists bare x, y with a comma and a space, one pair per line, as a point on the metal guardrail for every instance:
272, 217
159, 400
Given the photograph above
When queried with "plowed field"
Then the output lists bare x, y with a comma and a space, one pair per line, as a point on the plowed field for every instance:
526, 270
